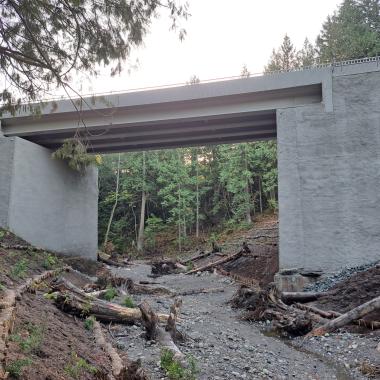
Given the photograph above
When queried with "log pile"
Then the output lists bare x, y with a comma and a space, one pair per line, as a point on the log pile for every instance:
75, 301
290, 316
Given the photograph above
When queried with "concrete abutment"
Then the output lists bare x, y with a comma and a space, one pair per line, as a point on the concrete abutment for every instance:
329, 177
45, 202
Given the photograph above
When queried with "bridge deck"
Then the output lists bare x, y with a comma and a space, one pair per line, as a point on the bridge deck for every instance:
207, 113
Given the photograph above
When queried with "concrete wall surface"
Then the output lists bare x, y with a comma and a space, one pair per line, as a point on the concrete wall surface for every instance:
6, 168
50, 205
329, 178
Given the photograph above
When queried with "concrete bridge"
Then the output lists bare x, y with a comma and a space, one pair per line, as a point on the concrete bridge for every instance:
326, 120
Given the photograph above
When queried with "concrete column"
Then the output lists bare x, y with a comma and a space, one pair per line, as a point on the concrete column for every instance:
329, 177
45, 202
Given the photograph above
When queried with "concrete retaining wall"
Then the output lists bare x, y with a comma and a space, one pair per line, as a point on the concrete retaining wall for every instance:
329, 177
45, 202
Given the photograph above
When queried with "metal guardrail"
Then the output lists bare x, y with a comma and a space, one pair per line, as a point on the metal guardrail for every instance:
215, 80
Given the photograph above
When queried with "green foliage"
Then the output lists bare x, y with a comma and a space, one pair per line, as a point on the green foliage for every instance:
2, 234
229, 182
86, 307
89, 323
78, 367
51, 296
2, 287
50, 261
153, 226
31, 341
353, 31
74, 152
110, 293
91, 34
19, 269
15, 367
175, 370
128, 302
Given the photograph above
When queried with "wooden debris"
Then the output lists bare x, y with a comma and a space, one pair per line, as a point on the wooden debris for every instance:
290, 297
200, 291
224, 260
197, 257
73, 300
116, 362
344, 319
164, 336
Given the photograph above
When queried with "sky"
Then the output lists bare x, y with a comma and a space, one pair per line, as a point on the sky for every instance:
222, 36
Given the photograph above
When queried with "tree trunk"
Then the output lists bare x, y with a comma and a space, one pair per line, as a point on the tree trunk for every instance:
73, 300
248, 211
140, 239
344, 319
115, 203
197, 193
260, 196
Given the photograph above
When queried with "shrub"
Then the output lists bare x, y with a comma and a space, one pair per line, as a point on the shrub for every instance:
110, 294
128, 302
50, 261
33, 341
89, 323
78, 367
15, 368
19, 269
175, 370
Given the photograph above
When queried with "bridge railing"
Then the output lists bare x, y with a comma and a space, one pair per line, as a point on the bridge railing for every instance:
317, 66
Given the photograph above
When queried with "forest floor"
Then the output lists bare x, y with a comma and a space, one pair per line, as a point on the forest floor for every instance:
49, 344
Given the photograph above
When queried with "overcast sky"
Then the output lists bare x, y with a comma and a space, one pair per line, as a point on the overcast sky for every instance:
222, 36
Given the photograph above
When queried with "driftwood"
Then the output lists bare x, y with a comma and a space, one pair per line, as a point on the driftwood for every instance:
117, 363
224, 260
200, 291
120, 371
73, 300
344, 319
289, 297
7, 317
373, 325
33, 281
166, 337
19, 247
197, 257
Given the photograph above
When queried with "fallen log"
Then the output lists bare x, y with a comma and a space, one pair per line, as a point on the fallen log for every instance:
301, 296
35, 280
354, 314
224, 260
116, 362
156, 332
373, 325
200, 291
73, 300
130, 286
197, 257
120, 371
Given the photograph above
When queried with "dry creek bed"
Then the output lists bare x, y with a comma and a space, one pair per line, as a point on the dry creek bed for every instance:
226, 347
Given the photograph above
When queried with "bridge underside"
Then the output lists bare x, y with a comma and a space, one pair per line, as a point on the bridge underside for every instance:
172, 134
158, 124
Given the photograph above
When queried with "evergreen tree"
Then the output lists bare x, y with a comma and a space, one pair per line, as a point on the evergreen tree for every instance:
43, 42
307, 55
284, 58
353, 31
